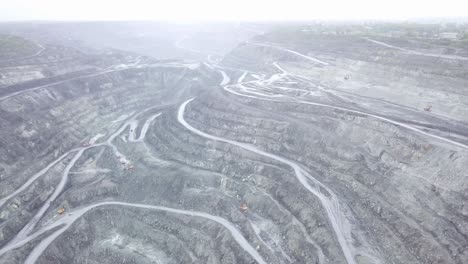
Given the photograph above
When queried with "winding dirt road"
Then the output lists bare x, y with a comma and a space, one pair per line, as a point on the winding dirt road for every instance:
338, 214
67, 220
258, 94
452, 57
292, 52
62, 223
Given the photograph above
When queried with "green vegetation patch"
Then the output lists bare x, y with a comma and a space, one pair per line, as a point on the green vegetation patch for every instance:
13, 47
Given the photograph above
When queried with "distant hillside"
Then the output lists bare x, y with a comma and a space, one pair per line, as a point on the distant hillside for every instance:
12, 47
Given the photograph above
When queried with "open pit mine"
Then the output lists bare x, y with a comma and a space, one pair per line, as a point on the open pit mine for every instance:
144, 143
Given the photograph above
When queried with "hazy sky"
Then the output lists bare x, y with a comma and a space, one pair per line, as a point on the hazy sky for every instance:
227, 9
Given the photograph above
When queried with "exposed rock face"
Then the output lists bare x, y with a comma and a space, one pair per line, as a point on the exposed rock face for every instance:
297, 151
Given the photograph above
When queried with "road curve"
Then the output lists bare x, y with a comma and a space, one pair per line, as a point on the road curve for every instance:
400, 124
67, 220
339, 217
58, 190
34, 177
226, 78
23, 233
133, 126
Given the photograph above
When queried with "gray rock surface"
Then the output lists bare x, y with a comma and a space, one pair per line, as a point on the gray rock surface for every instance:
271, 146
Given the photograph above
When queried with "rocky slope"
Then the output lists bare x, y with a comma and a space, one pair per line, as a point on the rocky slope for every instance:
298, 151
